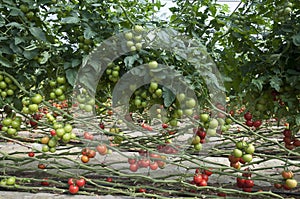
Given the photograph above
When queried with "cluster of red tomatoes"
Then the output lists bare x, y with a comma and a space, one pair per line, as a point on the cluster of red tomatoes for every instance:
290, 141
201, 177
249, 122
75, 184
147, 160
245, 182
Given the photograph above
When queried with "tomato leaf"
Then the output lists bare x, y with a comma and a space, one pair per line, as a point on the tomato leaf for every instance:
38, 33
168, 97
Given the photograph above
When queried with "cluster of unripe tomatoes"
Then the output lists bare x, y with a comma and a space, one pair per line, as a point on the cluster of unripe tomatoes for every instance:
134, 38
243, 153
7, 87
59, 87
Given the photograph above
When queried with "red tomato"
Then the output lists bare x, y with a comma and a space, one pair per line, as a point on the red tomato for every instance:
142, 190
131, 160
80, 182
31, 154
109, 179
208, 172
247, 189
197, 178
240, 182
71, 181
153, 165
204, 177
133, 167
278, 185
73, 189
202, 183
249, 183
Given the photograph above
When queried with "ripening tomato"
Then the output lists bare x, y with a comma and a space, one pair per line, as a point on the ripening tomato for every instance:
102, 149
85, 158
287, 174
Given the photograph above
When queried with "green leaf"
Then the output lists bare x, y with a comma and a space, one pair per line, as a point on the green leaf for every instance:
88, 33
168, 97
129, 60
297, 119
258, 83
4, 62
71, 75
70, 20
38, 33
296, 39
275, 83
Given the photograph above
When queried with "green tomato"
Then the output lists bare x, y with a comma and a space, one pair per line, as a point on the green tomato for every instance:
68, 128
181, 97
158, 92
7, 121
247, 157
241, 145
52, 83
213, 123
204, 117
61, 97
60, 132
191, 103
250, 149
4, 128
45, 148
153, 64
3, 85
37, 99
25, 110
10, 92
16, 124
188, 112
66, 137
196, 140
198, 147
138, 28
237, 153
61, 80
211, 132
153, 86
33, 108
58, 91
129, 35
173, 122
11, 181
11, 131
88, 108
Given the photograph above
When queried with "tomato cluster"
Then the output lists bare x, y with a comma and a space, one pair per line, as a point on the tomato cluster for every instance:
249, 122
59, 132
59, 87
288, 181
290, 141
7, 87
31, 105
75, 184
201, 177
11, 125
86, 102
8, 181
87, 154
147, 160
113, 72
243, 153
134, 38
